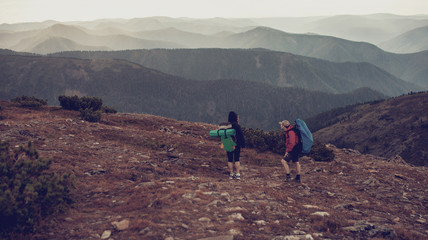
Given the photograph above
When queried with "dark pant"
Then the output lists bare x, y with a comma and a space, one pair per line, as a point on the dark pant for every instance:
293, 155
234, 155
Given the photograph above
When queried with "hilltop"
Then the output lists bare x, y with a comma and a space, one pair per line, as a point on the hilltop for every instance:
166, 179
397, 126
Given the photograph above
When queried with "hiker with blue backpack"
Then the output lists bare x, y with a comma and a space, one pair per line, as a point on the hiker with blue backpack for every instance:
298, 139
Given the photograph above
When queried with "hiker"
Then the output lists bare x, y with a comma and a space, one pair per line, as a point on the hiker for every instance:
292, 151
233, 157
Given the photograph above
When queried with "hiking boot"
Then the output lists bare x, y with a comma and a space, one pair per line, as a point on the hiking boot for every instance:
230, 176
288, 178
297, 179
238, 176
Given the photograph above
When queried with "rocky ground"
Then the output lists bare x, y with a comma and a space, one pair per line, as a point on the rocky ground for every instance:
147, 177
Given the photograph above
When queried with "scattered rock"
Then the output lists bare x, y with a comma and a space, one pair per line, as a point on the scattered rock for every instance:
224, 237
260, 222
122, 225
95, 172
372, 182
235, 232
421, 221
204, 219
322, 214
398, 160
294, 237
145, 184
106, 234
371, 230
237, 216
399, 176
347, 206
311, 206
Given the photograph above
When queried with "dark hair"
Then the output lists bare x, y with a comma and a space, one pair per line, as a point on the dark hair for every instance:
233, 117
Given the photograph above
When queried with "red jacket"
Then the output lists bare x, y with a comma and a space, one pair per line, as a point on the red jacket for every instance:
291, 139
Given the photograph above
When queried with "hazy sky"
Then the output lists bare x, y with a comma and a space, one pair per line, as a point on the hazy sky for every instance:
12, 11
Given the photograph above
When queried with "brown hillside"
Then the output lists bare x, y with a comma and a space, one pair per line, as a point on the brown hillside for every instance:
125, 173
398, 126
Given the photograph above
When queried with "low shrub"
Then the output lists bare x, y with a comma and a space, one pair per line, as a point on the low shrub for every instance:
274, 141
90, 115
321, 153
90, 107
264, 141
75, 103
106, 109
29, 102
93, 103
28, 191
69, 102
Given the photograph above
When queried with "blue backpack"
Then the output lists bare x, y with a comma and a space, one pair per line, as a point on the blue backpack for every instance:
305, 136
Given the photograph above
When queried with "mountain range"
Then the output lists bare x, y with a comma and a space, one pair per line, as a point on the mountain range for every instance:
130, 87
260, 65
397, 126
199, 52
415, 40
170, 33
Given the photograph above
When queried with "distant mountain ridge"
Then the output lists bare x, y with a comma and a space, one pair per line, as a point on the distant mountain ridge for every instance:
82, 41
403, 66
372, 28
260, 65
397, 126
183, 33
129, 87
415, 40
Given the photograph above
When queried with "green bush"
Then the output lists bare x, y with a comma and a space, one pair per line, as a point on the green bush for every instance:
320, 152
93, 103
69, 102
90, 115
28, 191
260, 140
90, 107
106, 109
75, 103
29, 102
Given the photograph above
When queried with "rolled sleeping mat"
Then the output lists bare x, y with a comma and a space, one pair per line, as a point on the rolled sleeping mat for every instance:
222, 133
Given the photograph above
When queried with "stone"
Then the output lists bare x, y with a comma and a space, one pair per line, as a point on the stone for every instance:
106, 234
260, 222
421, 221
322, 214
311, 206
223, 237
235, 232
122, 225
294, 237
372, 230
204, 219
237, 216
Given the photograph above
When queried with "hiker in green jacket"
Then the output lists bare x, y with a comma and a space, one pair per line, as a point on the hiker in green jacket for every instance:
233, 157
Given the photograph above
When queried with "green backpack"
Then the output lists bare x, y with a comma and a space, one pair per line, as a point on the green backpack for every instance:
228, 144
